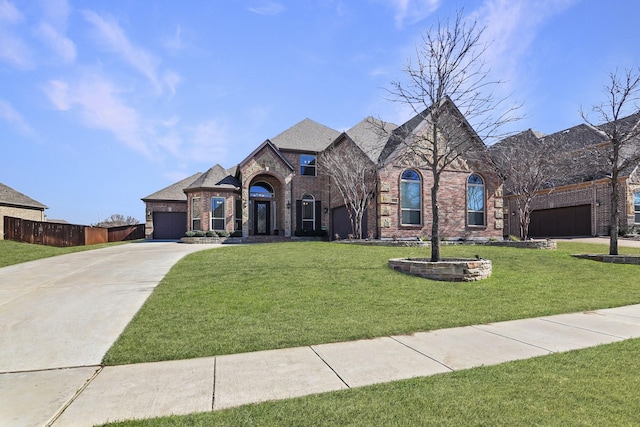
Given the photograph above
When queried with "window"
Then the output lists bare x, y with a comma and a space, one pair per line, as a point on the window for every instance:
636, 204
261, 189
411, 197
217, 213
475, 200
238, 225
308, 212
308, 164
195, 214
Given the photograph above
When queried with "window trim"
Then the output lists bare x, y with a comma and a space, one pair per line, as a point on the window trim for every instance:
195, 203
417, 181
483, 211
636, 207
218, 218
306, 166
308, 198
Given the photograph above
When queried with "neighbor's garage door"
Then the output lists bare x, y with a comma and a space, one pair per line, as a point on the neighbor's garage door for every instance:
169, 225
561, 222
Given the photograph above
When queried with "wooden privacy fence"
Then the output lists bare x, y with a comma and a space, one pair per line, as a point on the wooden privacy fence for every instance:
57, 234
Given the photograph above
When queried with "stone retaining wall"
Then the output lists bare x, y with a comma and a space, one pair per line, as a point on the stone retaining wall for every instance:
449, 269
616, 259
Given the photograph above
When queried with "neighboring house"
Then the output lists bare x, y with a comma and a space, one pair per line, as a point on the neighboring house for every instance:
579, 203
280, 189
17, 205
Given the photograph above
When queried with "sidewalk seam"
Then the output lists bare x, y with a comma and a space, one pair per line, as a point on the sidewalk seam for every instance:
583, 329
330, 367
479, 327
58, 414
421, 353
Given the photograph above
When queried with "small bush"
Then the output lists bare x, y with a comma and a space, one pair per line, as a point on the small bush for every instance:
222, 233
211, 233
190, 233
199, 233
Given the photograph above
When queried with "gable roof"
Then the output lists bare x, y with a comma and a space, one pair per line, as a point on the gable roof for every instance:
414, 125
9, 196
269, 145
174, 192
306, 135
371, 136
215, 177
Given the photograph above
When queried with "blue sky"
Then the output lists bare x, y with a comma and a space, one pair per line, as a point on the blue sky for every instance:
105, 102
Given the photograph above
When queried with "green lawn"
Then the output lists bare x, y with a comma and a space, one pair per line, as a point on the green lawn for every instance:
257, 297
15, 252
592, 387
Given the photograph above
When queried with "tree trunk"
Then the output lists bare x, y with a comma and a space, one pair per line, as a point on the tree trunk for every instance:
615, 215
435, 226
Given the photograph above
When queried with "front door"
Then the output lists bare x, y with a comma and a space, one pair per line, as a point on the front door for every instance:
262, 217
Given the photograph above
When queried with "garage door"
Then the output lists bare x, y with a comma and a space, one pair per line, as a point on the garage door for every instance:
169, 225
342, 224
561, 222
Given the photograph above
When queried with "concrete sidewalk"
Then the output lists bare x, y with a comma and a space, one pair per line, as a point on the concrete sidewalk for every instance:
97, 395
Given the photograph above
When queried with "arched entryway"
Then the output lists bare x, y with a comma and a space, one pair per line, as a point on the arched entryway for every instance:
266, 206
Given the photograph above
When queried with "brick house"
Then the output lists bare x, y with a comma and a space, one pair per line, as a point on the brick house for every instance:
579, 203
280, 189
17, 205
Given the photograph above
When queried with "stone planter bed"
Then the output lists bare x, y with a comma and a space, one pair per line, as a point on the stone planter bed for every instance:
615, 259
448, 269
525, 244
202, 240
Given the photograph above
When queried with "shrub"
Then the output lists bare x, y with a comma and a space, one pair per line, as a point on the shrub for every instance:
211, 233
199, 233
222, 233
190, 233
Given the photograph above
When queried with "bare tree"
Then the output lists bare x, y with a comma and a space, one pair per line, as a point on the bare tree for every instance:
354, 175
448, 87
524, 163
622, 94
117, 220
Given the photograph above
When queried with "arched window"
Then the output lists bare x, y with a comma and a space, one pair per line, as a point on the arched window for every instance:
411, 197
475, 200
308, 212
261, 189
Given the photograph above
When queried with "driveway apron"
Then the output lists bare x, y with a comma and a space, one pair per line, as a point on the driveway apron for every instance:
67, 311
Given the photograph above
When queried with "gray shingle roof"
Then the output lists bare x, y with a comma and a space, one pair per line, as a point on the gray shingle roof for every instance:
174, 192
306, 136
369, 136
216, 177
9, 196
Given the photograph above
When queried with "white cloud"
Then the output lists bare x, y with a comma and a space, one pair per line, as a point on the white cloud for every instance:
207, 141
413, 11
511, 28
115, 39
99, 105
13, 49
9, 13
172, 80
269, 8
60, 44
15, 119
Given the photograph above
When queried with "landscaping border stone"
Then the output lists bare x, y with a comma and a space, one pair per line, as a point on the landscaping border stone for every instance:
614, 259
448, 269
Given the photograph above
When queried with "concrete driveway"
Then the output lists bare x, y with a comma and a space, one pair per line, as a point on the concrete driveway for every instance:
67, 311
